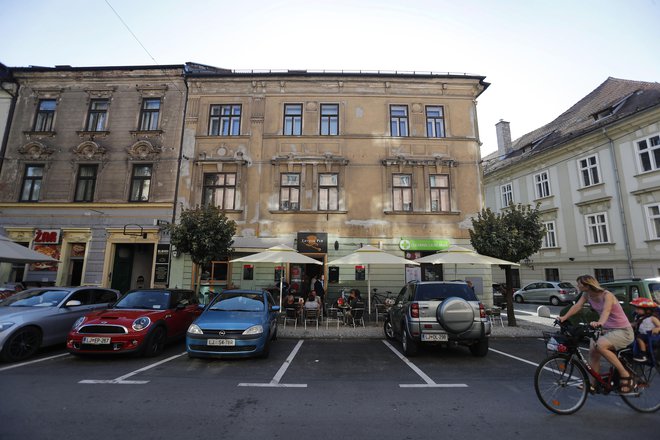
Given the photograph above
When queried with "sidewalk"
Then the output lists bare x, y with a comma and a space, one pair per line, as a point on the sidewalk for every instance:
529, 326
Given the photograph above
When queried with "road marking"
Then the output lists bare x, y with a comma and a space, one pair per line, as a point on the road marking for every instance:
429, 382
275, 382
34, 361
121, 380
513, 357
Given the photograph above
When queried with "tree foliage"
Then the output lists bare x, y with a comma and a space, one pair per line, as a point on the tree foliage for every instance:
512, 235
204, 233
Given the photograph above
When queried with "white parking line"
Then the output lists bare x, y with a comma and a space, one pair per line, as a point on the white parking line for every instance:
34, 361
513, 357
429, 382
275, 382
121, 380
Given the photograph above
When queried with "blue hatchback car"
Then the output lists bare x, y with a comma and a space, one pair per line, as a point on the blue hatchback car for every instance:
236, 323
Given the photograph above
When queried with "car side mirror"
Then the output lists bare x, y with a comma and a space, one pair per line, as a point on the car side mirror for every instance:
73, 303
275, 308
180, 306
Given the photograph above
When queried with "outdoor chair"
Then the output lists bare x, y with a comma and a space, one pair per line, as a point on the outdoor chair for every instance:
291, 315
380, 311
333, 315
312, 316
494, 315
357, 316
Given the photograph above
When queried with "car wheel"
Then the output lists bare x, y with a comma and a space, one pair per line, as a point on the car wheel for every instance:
409, 345
554, 300
480, 348
388, 329
22, 344
155, 342
518, 298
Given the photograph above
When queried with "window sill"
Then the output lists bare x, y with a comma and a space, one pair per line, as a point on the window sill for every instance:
216, 136
39, 134
608, 244
421, 212
307, 212
92, 134
540, 199
597, 185
146, 133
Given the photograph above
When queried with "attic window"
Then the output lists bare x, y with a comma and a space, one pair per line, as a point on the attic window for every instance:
603, 114
609, 111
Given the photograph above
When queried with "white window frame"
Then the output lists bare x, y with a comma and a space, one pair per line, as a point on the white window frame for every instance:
653, 220
550, 239
402, 193
598, 230
649, 152
506, 194
542, 185
589, 168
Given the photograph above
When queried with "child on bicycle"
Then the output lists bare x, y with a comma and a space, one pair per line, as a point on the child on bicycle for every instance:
647, 325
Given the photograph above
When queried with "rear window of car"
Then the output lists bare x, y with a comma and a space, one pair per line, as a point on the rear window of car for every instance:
566, 285
441, 291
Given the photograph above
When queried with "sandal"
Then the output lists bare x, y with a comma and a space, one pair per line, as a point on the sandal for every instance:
625, 385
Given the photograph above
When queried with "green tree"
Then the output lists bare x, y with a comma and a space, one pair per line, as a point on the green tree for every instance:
512, 235
203, 233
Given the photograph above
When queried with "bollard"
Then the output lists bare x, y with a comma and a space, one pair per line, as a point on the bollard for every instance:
543, 312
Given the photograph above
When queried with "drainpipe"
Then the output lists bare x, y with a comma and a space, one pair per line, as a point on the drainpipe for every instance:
619, 199
183, 129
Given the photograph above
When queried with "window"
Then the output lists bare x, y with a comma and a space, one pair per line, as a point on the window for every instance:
589, 170
219, 190
31, 189
649, 153
604, 275
140, 183
439, 184
98, 113
292, 119
290, 192
328, 192
150, 114
552, 274
329, 120
506, 191
653, 217
402, 192
45, 115
86, 183
399, 120
542, 185
225, 120
597, 229
435, 122
550, 239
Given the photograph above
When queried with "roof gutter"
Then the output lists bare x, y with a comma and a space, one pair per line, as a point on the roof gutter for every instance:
619, 200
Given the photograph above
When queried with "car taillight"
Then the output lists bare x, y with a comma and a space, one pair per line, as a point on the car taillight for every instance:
414, 310
482, 311
562, 292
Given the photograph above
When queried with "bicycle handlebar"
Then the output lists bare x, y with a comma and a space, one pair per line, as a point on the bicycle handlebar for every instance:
580, 330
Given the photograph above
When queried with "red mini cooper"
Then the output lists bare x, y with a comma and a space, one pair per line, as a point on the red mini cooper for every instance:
141, 321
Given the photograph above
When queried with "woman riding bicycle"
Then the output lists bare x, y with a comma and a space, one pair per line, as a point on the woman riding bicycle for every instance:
617, 331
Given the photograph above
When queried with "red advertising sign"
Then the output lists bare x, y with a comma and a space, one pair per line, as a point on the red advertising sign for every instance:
47, 236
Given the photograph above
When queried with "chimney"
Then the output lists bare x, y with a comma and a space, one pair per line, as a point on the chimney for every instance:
503, 137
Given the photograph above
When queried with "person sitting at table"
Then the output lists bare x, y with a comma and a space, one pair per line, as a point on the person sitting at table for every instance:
290, 300
354, 298
312, 302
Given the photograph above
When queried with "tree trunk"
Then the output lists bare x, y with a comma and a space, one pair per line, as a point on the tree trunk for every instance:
509, 296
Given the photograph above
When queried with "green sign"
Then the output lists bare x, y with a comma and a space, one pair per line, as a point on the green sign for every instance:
412, 244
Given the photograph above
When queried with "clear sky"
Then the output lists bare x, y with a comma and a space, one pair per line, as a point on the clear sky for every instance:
539, 56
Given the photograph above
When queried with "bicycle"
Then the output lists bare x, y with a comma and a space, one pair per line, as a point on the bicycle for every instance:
562, 381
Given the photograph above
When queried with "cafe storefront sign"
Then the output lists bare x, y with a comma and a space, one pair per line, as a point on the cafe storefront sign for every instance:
312, 242
416, 244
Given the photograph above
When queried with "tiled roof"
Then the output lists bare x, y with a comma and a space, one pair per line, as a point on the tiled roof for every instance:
611, 101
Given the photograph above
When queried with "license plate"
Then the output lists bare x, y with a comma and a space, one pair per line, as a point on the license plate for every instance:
435, 337
221, 342
91, 340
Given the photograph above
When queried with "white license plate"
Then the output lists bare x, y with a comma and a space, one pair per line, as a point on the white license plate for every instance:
221, 342
435, 337
92, 340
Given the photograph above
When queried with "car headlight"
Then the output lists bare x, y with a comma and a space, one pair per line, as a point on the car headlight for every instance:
195, 330
78, 323
254, 330
5, 325
141, 323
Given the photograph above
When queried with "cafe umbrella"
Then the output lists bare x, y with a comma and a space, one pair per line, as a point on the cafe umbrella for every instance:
459, 255
12, 252
369, 255
277, 254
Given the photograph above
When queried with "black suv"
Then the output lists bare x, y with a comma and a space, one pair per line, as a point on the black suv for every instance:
438, 312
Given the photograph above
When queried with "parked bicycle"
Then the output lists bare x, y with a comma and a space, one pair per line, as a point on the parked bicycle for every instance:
386, 298
562, 381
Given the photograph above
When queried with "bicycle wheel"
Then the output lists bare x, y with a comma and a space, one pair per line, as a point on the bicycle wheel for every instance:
646, 391
561, 384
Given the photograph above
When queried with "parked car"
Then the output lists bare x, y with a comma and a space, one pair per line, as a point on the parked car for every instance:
553, 292
141, 322
435, 312
237, 323
43, 316
625, 291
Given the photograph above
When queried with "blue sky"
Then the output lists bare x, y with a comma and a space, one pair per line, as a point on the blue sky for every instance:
539, 56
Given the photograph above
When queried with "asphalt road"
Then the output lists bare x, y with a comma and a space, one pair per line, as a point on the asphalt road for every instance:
321, 389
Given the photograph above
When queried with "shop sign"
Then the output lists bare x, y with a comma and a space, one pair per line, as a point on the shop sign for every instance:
406, 244
163, 253
47, 236
312, 242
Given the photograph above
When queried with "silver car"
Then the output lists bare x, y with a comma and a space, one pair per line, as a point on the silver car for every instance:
553, 292
43, 316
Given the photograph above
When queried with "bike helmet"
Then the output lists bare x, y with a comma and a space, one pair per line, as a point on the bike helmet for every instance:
643, 303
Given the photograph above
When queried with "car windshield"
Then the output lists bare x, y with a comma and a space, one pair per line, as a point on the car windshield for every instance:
654, 288
239, 302
434, 291
144, 299
36, 298
566, 285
